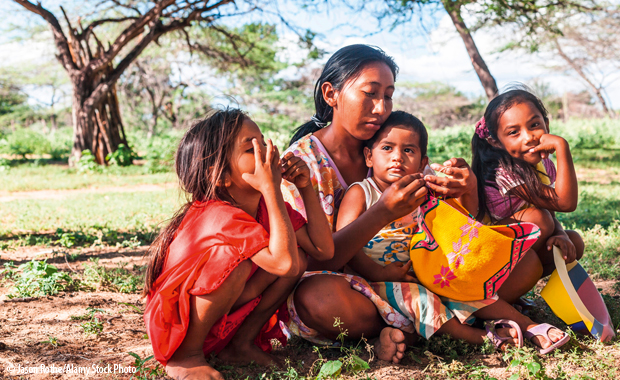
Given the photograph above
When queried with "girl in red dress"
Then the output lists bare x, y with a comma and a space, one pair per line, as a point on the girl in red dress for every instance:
219, 273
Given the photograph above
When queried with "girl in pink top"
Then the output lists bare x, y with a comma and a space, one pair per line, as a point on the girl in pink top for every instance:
518, 182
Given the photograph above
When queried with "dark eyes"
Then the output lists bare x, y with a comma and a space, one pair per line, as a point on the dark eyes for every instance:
372, 94
386, 147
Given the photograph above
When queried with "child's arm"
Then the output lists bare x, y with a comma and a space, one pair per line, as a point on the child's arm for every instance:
353, 205
315, 238
281, 258
565, 193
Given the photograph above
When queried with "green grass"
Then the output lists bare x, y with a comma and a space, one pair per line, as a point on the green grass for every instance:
61, 177
114, 211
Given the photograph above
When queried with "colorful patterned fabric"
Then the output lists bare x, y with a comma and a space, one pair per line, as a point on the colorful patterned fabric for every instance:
501, 204
407, 306
455, 256
326, 179
392, 243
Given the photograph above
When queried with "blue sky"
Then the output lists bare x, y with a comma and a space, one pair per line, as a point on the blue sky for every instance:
435, 53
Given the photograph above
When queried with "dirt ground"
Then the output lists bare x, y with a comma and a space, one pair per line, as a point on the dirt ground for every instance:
41, 332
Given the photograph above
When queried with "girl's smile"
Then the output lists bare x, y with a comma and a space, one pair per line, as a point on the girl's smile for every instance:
519, 129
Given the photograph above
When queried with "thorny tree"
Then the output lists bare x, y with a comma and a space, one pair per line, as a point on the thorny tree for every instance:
95, 67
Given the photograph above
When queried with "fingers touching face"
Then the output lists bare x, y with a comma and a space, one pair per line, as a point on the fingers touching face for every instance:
250, 149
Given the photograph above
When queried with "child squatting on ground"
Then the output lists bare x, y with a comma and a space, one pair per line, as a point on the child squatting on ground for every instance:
397, 150
221, 270
518, 182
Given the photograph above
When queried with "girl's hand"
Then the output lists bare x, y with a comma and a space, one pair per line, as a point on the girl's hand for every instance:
267, 174
397, 272
548, 144
404, 196
462, 179
569, 253
295, 170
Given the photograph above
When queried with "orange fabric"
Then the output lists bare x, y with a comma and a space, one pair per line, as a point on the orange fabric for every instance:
212, 240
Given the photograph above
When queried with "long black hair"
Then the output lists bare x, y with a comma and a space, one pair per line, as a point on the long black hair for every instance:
201, 163
345, 64
488, 158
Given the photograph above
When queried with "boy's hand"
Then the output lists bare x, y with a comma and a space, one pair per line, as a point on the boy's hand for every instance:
295, 170
461, 179
267, 175
404, 195
548, 144
397, 272
569, 253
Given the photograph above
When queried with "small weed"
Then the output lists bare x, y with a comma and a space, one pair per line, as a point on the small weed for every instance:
143, 372
93, 318
38, 279
526, 362
8, 273
119, 279
52, 340
350, 361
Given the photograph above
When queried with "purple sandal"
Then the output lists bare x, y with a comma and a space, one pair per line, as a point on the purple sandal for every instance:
497, 340
543, 330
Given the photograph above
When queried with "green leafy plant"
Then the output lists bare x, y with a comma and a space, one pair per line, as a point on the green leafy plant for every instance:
123, 156
93, 318
527, 363
52, 340
350, 361
88, 164
118, 279
38, 279
142, 371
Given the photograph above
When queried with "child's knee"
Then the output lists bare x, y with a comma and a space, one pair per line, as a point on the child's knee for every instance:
577, 241
542, 218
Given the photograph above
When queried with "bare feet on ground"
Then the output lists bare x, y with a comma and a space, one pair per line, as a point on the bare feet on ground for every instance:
391, 345
246, 354
541, 340
193, 367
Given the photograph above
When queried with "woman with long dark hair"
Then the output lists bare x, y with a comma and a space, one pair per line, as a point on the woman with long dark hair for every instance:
353, 97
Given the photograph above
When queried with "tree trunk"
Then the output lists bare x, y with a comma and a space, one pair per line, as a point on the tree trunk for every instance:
486, 79
98, 129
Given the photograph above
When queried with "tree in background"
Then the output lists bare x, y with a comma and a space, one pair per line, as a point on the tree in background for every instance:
585, 45
530, 14
96, 48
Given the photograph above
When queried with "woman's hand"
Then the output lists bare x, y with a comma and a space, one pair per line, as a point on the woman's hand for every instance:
403, 196
397, 272
267, 174
569, 253
461, 180
295, 170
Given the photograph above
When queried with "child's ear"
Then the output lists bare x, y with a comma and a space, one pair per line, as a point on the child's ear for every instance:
329, 94
494, 143
224, 180
368, 156
423, 164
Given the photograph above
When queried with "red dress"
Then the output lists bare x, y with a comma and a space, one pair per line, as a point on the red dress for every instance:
213, 238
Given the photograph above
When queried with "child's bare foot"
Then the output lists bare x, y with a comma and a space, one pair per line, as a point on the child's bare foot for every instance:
192, 367
390, 346
245, 354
